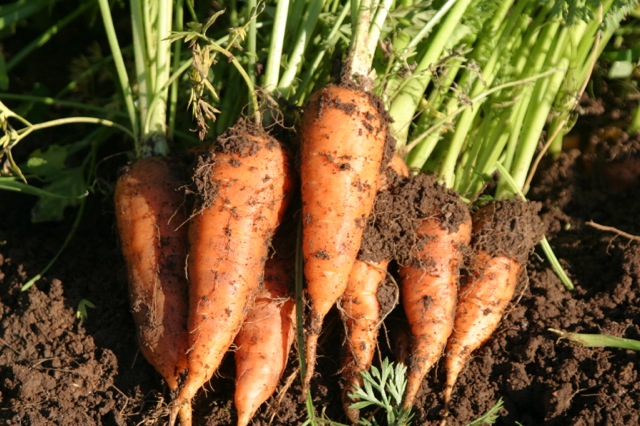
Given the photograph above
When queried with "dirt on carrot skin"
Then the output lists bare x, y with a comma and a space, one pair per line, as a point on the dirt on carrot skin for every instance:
45, 352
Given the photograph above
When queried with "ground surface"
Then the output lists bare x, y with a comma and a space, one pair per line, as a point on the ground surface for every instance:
56, 370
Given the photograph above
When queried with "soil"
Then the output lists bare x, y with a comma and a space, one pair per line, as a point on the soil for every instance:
58, 370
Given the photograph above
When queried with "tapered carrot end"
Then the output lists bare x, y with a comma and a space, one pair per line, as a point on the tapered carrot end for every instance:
452, 377
352, 414
414, 381
312, 346
180, 409
244, 418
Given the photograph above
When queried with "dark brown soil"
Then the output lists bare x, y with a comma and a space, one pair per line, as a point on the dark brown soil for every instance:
56, 370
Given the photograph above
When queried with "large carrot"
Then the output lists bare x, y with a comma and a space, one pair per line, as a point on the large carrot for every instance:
245, 191
429, 281
149, 213
343, 134
504, 233
264, 340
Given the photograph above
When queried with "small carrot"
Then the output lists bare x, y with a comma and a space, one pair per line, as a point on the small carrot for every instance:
149, 211
429, 282
264, 340
359, 305
343, 134
504, 233
245, 191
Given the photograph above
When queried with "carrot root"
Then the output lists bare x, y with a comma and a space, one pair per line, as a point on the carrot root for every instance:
504, 234
494, 279
360, 312
429, 296
149, 211
264, 341
343, 134
251, 183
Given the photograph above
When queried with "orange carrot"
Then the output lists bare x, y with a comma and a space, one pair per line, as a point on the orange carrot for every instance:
360, 311
264, 340
429, 288
343, 134
149, 211
359, 305
245, 192
504, 233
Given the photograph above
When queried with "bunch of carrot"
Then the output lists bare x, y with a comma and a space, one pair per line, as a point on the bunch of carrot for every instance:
234, 292
205, 279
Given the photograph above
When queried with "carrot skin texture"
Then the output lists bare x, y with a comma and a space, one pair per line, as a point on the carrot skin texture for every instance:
228, 249
149, 211
429, 296
482, 302
264, 340
360, 311
342, 142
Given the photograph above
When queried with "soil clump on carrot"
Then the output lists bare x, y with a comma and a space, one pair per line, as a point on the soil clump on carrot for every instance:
508, 228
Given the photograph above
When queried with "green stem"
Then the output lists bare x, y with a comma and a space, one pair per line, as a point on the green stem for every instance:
121, 70
272, 71
360, 58
58, 102
404, 104
23, 133
173, 82
251, 40
305, 86
297, 55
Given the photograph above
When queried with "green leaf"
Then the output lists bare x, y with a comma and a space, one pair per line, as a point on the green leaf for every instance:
49, 164
490, 416
69, 187
620, 70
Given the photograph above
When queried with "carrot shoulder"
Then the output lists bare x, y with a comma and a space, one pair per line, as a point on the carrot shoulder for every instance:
246, 189
343, 135
149, 211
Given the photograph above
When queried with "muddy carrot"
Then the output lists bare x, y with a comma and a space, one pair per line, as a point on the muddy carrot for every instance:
360, 312
244, 191
343, 134
149, 213
429, 283
264, 340
504, 233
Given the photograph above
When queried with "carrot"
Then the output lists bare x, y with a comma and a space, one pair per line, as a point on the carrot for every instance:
429, 282
360, 312
245, 191
504, 233
343, 135
264, 340
149, 211
359, 305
